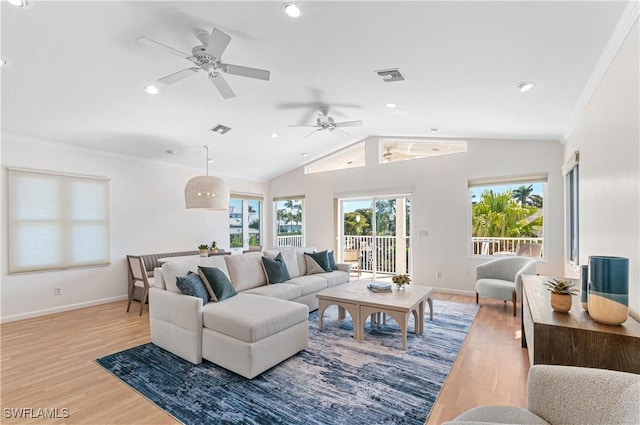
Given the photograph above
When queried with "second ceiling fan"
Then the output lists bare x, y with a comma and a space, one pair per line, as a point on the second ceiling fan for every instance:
208, 58
326, 123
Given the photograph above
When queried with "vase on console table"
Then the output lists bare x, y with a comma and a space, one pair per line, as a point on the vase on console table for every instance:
608, 297
584, 291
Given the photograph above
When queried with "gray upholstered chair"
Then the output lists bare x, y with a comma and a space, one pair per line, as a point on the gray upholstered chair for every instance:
567, 395
502, 278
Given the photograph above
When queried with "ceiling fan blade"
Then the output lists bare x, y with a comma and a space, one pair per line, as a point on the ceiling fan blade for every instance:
314, 131
342, 131
349, 124
163, 47
245, 71
302, 125
221, 85
177, 76
217, 43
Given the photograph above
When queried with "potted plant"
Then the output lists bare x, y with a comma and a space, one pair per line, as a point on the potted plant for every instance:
213, 249
561, 292
400, 280
204, 250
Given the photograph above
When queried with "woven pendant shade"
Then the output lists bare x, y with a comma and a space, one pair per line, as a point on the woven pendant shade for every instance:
206, 192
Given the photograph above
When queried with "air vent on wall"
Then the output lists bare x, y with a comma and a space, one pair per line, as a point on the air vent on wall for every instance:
389, 75
221, 129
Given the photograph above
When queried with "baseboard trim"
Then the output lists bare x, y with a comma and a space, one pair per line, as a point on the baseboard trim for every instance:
60, 309
454, 291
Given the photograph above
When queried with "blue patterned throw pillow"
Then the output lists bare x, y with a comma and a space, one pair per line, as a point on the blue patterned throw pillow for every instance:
191, 284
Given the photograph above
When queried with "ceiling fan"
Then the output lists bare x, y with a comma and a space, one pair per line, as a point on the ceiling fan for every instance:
327, 123
207, 57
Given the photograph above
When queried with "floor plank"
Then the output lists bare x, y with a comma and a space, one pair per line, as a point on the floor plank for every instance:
48, 362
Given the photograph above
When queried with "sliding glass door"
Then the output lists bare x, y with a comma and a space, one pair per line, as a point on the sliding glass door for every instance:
375, 234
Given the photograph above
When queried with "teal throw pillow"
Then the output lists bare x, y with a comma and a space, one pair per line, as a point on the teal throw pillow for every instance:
218, 281
191, 284
321, 258
275, 269
332, 261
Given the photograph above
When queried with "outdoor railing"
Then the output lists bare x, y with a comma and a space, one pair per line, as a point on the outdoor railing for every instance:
499, 246
294, 240
385, 251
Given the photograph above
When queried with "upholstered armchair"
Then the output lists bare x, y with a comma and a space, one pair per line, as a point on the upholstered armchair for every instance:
567, 395
502, 278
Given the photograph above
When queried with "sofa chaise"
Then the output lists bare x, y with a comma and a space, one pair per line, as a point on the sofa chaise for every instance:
250, 332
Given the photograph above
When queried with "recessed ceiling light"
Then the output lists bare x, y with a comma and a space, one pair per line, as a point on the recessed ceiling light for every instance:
274, 135
209, 160
170, 152
151, 89
18, 3
292, 10
304, 155
433, 130
525, 86
2, 62
391, 105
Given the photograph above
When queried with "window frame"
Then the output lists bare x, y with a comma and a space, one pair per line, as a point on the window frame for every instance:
65, 222
303, 232
513, 180
245, 199
571, 174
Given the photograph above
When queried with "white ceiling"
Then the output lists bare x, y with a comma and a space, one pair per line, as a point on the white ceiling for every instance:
75, 74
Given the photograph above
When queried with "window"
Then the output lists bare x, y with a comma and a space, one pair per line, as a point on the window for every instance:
245, 217
394, 150
507, 215
57, 221
289, 214
349, 157
570, 171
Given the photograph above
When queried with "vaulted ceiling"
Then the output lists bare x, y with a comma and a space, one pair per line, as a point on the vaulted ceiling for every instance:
75, 74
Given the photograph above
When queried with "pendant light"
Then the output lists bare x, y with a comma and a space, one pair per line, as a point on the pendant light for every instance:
207, 192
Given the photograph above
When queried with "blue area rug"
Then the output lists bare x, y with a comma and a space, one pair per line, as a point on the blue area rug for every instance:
336, 380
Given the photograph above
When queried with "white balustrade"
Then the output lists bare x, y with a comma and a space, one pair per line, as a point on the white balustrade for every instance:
499, 246
294, 240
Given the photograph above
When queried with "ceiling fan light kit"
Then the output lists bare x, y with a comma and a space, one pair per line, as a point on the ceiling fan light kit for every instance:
207, 192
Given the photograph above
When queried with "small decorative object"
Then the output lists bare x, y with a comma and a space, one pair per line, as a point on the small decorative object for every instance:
584, 280
561, 292
213, 249
400, 280
204, 250
609, 289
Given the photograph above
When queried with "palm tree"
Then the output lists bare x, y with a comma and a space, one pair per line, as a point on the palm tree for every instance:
500, 215
523, 194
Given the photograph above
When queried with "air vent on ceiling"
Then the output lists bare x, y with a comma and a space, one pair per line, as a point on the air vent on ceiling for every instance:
389, 75
221, 129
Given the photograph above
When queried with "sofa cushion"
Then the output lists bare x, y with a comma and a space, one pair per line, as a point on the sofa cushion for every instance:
302, 263
191, 284
309, 284
284, 291
246, 270
217, 283
275, 269
181, 266
268, 316
496, 288
321, 258
334, 278
290, 258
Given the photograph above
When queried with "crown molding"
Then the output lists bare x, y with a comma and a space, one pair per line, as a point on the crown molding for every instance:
620, 33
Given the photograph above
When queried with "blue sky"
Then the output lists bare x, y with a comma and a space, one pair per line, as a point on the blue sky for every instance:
537, 189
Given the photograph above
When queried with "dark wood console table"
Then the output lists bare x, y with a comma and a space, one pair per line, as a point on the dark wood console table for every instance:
574, 339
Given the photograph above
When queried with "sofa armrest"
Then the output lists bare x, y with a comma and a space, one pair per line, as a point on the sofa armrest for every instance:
175, 322
344, 267
574, 395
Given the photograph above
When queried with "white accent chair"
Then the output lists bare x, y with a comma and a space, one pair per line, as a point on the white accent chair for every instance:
567, 395
502, 278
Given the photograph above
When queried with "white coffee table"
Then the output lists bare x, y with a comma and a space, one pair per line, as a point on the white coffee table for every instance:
360, 302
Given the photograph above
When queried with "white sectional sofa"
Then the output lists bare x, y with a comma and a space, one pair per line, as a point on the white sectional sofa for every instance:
258, 328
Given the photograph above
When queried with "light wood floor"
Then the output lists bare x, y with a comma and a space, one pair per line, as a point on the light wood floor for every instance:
48, 362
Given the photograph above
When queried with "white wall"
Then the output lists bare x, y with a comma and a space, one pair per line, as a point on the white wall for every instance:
608, 138
147, 216
440, 203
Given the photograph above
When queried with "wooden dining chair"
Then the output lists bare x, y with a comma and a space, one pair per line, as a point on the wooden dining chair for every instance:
138, 279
